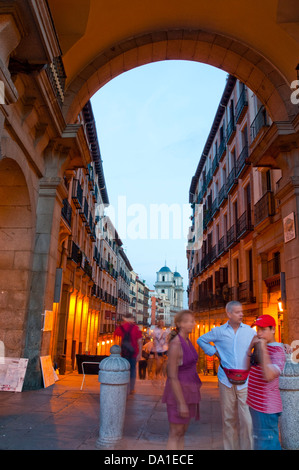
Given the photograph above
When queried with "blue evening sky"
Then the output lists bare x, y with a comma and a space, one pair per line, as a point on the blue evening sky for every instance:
152, 124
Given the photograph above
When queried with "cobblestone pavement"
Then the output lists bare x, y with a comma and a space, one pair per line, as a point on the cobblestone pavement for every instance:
63, 417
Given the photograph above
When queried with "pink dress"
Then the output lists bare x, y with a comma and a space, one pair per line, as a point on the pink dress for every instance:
190, 383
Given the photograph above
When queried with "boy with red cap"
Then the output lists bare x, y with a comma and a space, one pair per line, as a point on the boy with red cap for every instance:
263, 385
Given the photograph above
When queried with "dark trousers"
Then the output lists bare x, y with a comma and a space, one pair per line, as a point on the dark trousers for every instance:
132, 373
142, 369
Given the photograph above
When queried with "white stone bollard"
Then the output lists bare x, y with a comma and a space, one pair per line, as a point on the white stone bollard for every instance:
114, 376
289, 391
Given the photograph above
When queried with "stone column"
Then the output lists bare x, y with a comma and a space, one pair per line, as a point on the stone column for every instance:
287, 196
289, 391
114, 376
51, 194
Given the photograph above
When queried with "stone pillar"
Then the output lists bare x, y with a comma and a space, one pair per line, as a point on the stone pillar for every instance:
287, 196
51, 194
289, 391
114, 376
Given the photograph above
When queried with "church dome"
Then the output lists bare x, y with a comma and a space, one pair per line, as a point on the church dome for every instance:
176, 274
165, 269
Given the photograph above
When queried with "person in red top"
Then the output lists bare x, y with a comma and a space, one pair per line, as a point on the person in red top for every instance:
263, 397
135, 338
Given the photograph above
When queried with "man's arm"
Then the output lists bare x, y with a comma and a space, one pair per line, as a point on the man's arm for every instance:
270, 371
205, 340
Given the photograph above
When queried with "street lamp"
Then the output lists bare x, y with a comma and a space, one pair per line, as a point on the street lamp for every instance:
280, 305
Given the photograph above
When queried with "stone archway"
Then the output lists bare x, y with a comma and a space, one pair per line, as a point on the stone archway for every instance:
16, 234
216, 50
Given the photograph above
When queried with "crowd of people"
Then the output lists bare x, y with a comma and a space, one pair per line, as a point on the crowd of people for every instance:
250, 362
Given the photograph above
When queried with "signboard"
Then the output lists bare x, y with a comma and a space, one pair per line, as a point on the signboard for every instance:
289, 227
49, 375
12, 374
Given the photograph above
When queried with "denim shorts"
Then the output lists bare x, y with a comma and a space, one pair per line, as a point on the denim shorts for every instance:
265, 430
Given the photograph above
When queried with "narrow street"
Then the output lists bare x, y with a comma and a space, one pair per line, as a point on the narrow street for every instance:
62, 417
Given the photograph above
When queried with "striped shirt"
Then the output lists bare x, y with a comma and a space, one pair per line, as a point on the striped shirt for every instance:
264, 396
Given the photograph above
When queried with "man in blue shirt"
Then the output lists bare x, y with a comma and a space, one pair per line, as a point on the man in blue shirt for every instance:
231, 343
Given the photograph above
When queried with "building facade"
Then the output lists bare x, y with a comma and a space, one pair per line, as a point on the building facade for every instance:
236, 241
160, 309
139, 300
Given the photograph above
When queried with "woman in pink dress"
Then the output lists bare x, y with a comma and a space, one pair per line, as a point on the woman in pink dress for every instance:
182, 389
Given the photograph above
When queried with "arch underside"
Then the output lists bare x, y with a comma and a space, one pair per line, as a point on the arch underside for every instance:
216, 50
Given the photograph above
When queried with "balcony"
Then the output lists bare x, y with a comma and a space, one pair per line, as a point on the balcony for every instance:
66, 212
264, 208
209, 177
230, 131
207, 218
244, 224
215, 207
205, 262
259, 122
231, 236
93, 235
222, 245
222, 196
215, 163
87, 268
213, 253
232, 180
271, 273
245, 292
74, 253
242, 163
77, 195
96, 256
242, 106
222, 150
84, 212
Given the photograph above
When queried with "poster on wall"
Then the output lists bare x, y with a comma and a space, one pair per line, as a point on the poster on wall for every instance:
12, 374
49, 375
289, 227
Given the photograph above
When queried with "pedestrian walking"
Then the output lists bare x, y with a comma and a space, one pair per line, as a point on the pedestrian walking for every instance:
264, 399
148, 350
131, 345
182, 388
160, 347
143, 361
230, 344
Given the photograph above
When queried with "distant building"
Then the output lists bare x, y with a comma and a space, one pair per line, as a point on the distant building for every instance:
160, 309
169, 287
139, 300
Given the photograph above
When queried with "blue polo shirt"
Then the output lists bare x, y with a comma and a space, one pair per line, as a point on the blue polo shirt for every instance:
232, 348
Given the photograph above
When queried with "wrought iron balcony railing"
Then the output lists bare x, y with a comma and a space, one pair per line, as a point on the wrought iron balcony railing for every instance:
264, 208
260, 121
242, 106
66, 212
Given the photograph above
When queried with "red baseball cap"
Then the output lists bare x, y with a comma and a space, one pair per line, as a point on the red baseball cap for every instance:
265, 320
